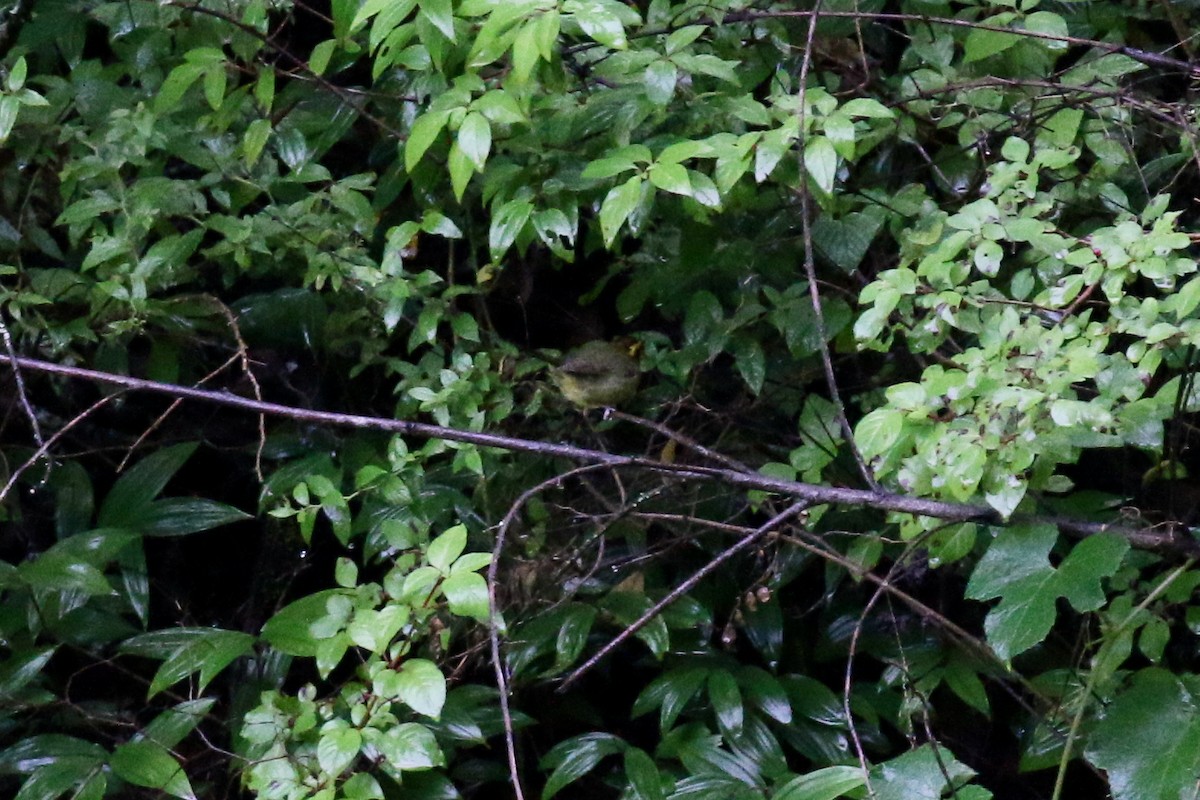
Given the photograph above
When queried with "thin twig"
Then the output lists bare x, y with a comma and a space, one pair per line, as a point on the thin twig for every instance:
810, 266
22, 396
494, 619
683, 588
45, 446
686, 441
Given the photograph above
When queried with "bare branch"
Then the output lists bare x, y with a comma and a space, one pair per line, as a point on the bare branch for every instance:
813, 494
683, 588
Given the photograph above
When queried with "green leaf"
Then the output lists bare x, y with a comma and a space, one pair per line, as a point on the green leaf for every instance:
9, 106
618, 204
214, 85
1017, 569
409, 746
319, 60
144, 763
446, 548
751, 362
599, 20
130, 498
643, 775
290, 629
467, 595
626, 607
171, 726
821, 160
60, 572
507, 223
441, 14
422, 134
573, 758
500, 108
255, 139
187, 651
670, 178
845, 241
822, 784
1095, 557
920, 774
1016, 553
21, 667
1148, 740
878, 431
981, 44
622, 160
179, 516
572, 636
39, 750
1049, 23
682, 37
338, 747
176, 84
659, 80
345, 573
726, 700
16, 76
866, 107
461, 169
670, 692
475, 139
422, 687
765, 692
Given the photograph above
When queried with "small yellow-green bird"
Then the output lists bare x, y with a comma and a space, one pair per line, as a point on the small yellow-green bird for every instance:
597, 375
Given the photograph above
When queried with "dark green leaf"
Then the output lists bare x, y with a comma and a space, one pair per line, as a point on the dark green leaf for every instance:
145, 763
726, 700
573, 758
129, 500
179, 516
1148, 741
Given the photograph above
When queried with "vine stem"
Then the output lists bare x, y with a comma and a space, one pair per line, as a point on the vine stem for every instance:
1077, 720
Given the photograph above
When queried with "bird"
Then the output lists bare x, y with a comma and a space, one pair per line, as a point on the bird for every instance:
597, 374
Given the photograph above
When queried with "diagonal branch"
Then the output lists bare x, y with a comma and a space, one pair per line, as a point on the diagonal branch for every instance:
683, 588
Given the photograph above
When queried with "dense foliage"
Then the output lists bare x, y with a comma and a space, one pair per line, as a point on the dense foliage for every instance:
902, 506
